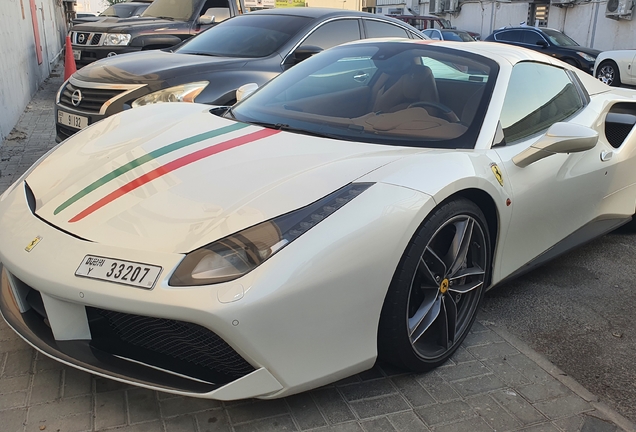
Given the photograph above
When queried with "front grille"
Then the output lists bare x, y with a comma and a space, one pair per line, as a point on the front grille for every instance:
91, 100
178, 346
85, 38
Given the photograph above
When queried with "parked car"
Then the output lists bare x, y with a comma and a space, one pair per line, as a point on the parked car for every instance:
616, 67
449, 35
212, 66
118, 10
424, 22
163, 24
548, 41
326, 220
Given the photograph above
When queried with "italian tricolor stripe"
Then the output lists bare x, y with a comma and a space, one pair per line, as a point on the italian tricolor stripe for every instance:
147, 158
171, 166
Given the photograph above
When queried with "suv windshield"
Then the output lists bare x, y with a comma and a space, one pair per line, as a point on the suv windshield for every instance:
246, 36
385, 93
180, 10
558, 38
124, 10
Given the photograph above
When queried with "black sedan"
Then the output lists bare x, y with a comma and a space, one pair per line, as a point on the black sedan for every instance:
210, 67
548, 41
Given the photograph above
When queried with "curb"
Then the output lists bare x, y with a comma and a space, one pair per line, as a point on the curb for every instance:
545, 364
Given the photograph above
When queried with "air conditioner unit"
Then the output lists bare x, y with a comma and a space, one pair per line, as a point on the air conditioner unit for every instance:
619, 9
437, 6
451, 5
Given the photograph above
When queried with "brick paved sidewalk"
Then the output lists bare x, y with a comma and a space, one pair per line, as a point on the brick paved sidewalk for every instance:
493, 382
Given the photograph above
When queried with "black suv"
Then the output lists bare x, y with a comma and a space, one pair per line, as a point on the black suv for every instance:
548, 41
165, 23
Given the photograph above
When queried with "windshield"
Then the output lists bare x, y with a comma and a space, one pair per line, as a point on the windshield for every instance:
180, 10
246, 36
120, 10
388, 93
558, 38
457, 36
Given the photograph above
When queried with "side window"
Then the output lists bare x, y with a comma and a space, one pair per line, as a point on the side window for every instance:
433, 34
377, 29
509, 36
531, 37
334, 33
538, 96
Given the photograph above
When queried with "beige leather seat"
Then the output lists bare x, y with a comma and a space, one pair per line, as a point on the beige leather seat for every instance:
396, 93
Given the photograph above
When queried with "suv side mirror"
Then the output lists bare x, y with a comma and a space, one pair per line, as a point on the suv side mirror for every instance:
542, 43
206, 19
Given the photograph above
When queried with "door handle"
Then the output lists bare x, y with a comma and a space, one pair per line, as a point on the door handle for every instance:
361, 77
606, 155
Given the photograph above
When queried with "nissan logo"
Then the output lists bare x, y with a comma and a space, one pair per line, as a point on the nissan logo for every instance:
76, 97
81, 38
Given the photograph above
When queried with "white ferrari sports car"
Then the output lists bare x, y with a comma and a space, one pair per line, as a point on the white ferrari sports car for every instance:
617, 67
356, 207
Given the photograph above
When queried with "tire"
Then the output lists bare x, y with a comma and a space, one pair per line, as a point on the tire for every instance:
425, 300
608, 72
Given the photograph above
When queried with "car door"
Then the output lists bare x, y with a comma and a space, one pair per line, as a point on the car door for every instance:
555, 197
630, 77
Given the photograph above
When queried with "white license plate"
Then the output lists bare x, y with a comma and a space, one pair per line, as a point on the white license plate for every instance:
119, 271
77, 54
72, 120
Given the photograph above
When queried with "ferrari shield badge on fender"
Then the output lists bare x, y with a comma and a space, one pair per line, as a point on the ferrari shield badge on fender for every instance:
497, 172
33, 244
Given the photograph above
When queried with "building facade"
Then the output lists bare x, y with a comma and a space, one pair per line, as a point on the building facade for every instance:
603, 25
32, 34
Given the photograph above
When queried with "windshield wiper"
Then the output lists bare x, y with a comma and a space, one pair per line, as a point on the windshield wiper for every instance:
288, 128
165, 17
198, 53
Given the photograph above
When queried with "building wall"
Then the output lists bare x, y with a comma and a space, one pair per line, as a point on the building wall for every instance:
20, 73
584, 22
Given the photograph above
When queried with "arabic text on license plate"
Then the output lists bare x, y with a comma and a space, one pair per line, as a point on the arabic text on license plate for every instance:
72, 120
77, 54
119, 271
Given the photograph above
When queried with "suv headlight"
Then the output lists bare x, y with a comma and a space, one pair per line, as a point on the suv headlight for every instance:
586, 56
180, 93
116, 39
240, 253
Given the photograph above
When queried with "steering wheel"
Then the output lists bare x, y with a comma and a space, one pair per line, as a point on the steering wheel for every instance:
446, 112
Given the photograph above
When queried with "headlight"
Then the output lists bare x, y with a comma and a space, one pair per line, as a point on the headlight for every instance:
115, 39
180, 93
240, 253
29, 171
586, 56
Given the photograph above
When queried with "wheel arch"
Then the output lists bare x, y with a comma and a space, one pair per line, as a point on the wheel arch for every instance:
487, 205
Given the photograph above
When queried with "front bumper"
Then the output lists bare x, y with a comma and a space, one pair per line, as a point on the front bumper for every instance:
306, 317
89, 54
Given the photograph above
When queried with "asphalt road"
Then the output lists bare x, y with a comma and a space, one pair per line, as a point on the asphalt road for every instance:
580, 312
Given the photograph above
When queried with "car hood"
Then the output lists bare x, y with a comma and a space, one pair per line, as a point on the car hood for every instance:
125, 25
173, 177
152, 66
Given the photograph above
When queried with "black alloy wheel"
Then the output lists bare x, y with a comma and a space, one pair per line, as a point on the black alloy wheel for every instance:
437, 288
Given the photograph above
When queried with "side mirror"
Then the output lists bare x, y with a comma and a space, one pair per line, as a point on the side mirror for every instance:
245, 90
560, 138
206, 19
304, 52
542, 43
